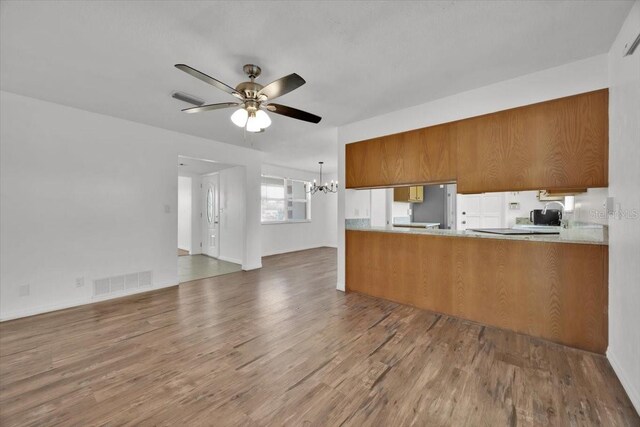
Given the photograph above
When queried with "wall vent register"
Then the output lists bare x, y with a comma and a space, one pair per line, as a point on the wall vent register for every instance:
125, 282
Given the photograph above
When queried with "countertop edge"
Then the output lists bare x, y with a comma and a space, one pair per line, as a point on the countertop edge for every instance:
477, 235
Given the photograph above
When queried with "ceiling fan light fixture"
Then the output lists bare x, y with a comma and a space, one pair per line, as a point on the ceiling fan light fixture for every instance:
264, 121
253, 125
251, 115
239, 117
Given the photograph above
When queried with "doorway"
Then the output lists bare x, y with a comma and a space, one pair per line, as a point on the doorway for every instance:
214, 241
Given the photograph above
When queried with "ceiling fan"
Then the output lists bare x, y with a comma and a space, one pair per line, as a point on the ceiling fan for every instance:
253, 98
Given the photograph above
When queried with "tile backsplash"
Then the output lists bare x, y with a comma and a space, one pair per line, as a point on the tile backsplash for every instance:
357, 222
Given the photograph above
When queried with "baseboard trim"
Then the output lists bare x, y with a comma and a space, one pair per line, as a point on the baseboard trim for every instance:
627, 384
251, 267
233, 260
303, 248
42, 309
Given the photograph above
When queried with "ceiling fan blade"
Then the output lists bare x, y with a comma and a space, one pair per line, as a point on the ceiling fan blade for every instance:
210, 107
293, 113
282, 86
208, 79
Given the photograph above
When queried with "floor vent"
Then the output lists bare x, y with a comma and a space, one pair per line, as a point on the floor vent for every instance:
119, 284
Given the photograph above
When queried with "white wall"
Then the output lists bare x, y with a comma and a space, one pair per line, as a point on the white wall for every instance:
379, 198
358, 204
591, 206
184, 213
624, 230
196, 209
232, 214
400, 210
320, 231
89, 196
569, 79
528, 201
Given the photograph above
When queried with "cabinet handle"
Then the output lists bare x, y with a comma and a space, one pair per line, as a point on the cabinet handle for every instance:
464, 222
464, 213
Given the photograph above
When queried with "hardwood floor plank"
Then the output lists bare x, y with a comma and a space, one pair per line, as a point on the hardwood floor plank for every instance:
281, 346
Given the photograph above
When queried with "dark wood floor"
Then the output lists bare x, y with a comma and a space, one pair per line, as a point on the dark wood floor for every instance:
281, 346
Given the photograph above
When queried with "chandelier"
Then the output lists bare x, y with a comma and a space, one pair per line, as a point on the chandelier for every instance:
325, 188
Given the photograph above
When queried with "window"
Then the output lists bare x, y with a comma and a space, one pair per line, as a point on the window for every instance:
284, 200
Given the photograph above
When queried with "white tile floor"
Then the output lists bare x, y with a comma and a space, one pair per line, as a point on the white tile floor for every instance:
194, 267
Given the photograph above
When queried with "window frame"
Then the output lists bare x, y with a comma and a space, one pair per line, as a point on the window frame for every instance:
287, 200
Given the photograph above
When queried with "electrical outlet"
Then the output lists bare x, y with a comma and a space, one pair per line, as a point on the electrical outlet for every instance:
79, 282
24, 290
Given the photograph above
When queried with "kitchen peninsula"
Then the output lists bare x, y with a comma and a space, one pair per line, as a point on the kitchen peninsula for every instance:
548, 286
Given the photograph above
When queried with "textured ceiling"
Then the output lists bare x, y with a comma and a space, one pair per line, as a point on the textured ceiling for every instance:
360, 59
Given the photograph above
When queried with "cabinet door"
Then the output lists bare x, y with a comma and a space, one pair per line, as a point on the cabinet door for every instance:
419, 194
412, 194
556, 144
415, 157
401, 194
361, 160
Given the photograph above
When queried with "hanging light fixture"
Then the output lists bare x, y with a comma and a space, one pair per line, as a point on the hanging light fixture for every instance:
239, 117
253, 100
250, 117
325, 188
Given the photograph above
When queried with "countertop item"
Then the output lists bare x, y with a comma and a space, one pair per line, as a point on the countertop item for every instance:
602, 239
551, 217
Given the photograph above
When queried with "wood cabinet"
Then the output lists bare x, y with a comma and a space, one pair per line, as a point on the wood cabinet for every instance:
555, 291
413, 194
558, 144
419, 156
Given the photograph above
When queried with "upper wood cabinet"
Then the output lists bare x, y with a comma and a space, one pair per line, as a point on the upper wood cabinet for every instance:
415, 157
414, 194
558, 144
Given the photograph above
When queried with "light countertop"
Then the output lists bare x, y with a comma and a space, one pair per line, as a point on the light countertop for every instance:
574, 237
417, 224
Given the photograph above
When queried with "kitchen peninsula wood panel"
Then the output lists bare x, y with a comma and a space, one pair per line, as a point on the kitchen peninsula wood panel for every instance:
419, 156
560, 144
555, 291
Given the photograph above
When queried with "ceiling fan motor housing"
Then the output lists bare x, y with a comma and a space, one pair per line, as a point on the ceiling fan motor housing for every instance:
249, 89
251, 70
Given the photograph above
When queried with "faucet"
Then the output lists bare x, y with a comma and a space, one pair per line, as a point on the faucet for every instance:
544, 210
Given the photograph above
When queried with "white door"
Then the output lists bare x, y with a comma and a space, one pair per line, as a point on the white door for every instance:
480, 210
211, 215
